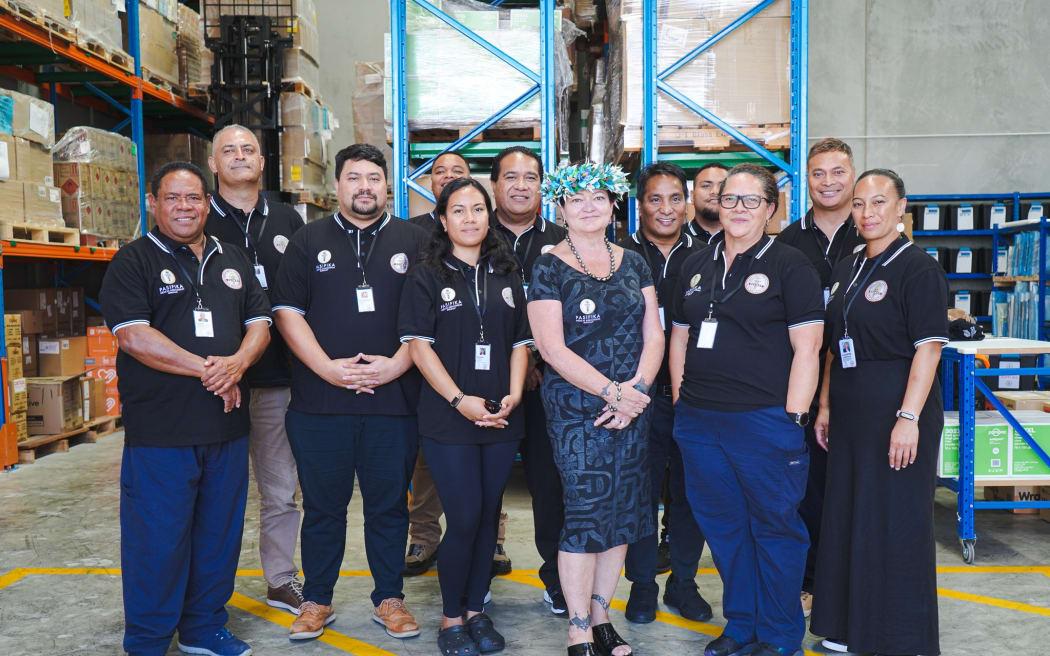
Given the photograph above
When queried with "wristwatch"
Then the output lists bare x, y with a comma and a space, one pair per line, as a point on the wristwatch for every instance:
455, 402
800, 418
907, 415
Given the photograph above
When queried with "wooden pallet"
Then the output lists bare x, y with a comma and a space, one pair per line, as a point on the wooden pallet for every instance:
99, 241
118, 58
447, 135
39, 234
709, 138
300, 87
28, 11
161, 82
89, 433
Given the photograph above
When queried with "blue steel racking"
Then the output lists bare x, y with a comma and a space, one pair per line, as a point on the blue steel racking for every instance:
655, 81
543, 85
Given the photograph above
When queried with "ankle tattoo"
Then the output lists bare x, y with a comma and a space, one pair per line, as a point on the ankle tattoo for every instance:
601, 601
581, 623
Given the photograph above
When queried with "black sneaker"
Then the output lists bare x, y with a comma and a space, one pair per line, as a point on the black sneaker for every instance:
556, 600
501, 562
683, 596
663, 555
641, 605
420, 558
725, 645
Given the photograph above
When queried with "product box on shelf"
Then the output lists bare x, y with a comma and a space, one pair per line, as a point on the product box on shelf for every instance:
181, 146
54, 405
34, 162
12, 202
17, 388
97, 173
18, 420
100, 342
105, 369
12, 328
96, 22
158, 39
1014, 493
1028, 400
8, 158
92, 397
62, 356
30, 366
991, 446
27, 117
43, 205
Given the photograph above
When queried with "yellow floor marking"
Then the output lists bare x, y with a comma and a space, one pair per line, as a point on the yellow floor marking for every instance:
329, 637
994, 569
992, 601
11, 577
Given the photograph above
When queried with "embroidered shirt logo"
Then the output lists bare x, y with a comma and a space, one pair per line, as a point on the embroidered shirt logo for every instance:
508, 296
232, 278
280, 242
876, 291
756, 283
399, 262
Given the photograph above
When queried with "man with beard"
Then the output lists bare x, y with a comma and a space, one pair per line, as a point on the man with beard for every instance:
705, 225
354, 389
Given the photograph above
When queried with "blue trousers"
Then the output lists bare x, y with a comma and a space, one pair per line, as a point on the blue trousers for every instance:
686, 540
181, 518
329, 451
745, 474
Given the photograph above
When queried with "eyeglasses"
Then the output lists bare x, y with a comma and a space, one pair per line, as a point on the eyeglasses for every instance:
750, 201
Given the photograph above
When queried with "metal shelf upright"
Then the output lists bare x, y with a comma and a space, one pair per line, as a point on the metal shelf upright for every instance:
655, 81
543, 85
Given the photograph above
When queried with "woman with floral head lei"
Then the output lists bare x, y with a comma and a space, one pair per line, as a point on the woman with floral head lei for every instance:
593, 313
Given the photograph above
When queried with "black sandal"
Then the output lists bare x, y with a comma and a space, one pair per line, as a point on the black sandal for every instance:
485, 635
607, 639
456, 641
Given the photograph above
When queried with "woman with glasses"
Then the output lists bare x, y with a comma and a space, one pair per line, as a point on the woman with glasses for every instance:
594, 315
747, 326
880, 420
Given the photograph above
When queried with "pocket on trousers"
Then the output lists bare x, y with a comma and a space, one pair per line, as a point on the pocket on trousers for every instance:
797, 473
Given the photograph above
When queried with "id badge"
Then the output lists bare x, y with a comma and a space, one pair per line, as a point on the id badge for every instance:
706, 338
846, 353
366, 302
202, 324
260, 274
663, 323
482, 356
827, 296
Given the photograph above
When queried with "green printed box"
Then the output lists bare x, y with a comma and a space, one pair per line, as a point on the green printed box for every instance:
991, 446
1025, 462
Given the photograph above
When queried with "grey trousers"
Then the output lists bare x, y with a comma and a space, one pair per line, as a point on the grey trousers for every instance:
275, 476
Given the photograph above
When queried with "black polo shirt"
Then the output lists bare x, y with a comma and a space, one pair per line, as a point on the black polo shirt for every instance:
665, 274
697, 231
824, 253
148, 282
262, 234
426, 221
318, 278
776, 289
901, 304
534, 241
440, 307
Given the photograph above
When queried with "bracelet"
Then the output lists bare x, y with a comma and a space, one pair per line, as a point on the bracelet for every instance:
455, 402
906, 415
619, 391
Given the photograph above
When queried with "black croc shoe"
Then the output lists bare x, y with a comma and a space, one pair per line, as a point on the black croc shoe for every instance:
456, 641
607, 639
485, 635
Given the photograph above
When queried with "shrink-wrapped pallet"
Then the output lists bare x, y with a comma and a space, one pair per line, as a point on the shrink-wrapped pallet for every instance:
97, 173
97, 22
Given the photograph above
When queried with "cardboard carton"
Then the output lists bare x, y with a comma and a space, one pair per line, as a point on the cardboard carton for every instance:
17, 389
159, 44
12, 201
30, 366
1030, 400
991, 446
43, 205
93, 397
18, 419
30, 118
1014, 493
32, 322
42, 300
12, 328
63, 356
54, 405
101, 342
8, 158
34, 163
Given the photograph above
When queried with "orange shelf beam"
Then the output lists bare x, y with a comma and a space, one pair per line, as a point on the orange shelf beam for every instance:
71, 52
26, 249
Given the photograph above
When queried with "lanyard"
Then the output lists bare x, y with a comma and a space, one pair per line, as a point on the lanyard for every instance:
528, 245
249, 241
727, 296
478, 299
658, 270
193, 281
362, 262
849, 302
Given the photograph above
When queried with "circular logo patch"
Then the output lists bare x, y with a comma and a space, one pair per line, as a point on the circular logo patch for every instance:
547, 249
231, 278
508, 296
876, 291
399, 262
167, 277
756, 283
834, 288
694, 281
324, 256
448, 294
280, 242
587, 306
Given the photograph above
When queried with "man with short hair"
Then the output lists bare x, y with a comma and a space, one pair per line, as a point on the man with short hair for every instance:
661, 240
516, 175
354, 389
242, 218
705, 224
190, 318
826, 234
424, 506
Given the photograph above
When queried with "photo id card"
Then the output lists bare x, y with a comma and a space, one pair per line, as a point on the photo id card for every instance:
706, 338
846, 353
202, 324
482, 356
260, 274
365, 300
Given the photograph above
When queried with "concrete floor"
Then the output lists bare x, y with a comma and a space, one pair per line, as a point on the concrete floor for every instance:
59, 545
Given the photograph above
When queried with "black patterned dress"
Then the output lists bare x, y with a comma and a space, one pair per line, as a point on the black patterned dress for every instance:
604, 474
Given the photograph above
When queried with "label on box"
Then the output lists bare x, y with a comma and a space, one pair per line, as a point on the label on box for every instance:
998, 214
49, 347
297, 173
39, 120
991, 446
962, 301
964, 219
65, 344
931, 218
1009, 382
673, 36
54, 196
1035, 211
5, 163
41, 191
1001, 259
1025, 461
18, 385
964, 260
934, 253
7, 111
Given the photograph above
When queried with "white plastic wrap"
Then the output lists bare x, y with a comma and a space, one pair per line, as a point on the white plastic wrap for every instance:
306, 131
190, 44
96, 171
97, 21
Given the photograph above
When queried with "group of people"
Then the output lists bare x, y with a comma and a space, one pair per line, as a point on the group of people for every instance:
775, 393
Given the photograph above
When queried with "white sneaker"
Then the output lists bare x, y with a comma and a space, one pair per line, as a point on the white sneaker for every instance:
835, 644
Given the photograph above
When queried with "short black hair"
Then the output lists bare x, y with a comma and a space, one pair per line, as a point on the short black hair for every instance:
528, 152
710, 165
650, 171
171, 167
357, 152
452, 152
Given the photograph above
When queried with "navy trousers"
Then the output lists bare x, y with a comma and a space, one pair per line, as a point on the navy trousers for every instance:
686, 539
544, 483
181, 518
745, 474
329, 451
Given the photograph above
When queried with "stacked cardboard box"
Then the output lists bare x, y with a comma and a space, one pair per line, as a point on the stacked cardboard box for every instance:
189, 39
97, 173
158, 39
54, 405
182, 146
307, 129
60, 310
1000, 452
27, 191
101, 364
96, 23
16, 382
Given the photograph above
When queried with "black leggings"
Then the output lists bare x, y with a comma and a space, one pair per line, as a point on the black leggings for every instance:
470, 479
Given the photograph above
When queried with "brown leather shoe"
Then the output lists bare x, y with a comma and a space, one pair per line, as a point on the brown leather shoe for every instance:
287, 597
394, 615
311, 621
